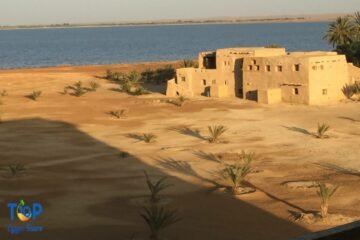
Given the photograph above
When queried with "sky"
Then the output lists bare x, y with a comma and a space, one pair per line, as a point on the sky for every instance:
28, 12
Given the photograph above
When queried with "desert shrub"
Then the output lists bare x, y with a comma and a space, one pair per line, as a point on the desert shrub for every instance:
321, 130
149, 137
349, 90
325, 193
180, 101
189, 63
158, 218
114, 76
109, 74
156, 187
237, 172
78, 89
118, 113
215, 132
131, 84
162, 75
94, 86
35, 95
140, 91
15, 169
147, 76
3, 93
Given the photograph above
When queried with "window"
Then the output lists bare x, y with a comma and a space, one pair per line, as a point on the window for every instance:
314, 68
225, 82
254, 62
279, 68
322, 67
204, 82
268, 68
213, 82
257, 68
177, 94
183, 79
324, 91
296, 67
296, 91
250, 68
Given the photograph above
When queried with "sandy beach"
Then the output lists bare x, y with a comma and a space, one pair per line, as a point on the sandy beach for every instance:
72, 150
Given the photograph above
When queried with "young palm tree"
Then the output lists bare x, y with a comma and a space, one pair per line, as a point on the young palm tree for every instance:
341, 32
322, 129
156, 188
325, 193
236, 174
16, 168
158, 218
134, 77
35, 95
215, 132
149, 137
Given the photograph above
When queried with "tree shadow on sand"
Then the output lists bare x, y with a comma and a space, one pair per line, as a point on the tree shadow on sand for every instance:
338, 169
349, 119
86, 188
187, 130
299, 130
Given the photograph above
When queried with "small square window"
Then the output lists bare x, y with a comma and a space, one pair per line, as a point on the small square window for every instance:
204, 82
279, 68
183, 79
296, 91
324, 91
268, 68
296, 67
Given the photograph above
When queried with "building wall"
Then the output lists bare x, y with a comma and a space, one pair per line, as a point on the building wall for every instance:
290, 74
327, 77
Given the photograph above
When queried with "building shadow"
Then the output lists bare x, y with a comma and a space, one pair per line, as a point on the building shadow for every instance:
89, 190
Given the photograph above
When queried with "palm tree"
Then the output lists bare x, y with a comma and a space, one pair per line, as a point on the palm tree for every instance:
325, 193
341, 32
356, 19
158, 218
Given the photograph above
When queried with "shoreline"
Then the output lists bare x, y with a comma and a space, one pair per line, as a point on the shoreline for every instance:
101, 66
170, 23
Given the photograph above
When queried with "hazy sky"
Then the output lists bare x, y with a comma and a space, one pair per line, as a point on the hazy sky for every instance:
79, 11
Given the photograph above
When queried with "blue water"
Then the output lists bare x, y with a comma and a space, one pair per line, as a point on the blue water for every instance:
82, 46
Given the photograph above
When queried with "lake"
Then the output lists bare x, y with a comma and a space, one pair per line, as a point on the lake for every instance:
83, 46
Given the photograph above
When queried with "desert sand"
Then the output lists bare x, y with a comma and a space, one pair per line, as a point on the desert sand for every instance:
71, 149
